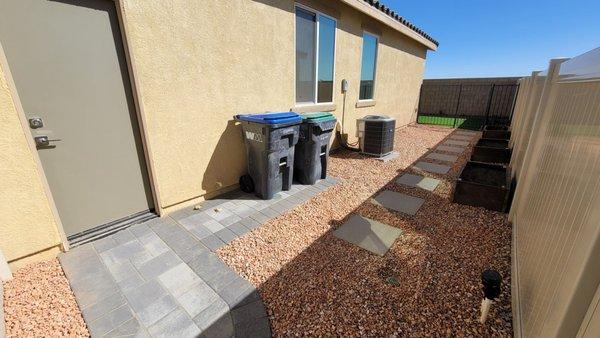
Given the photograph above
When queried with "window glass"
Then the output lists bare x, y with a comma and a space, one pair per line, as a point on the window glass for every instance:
367, 73
305, 55
325, 59
315, 50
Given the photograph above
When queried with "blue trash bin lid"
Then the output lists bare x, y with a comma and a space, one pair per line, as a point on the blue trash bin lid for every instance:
271, 118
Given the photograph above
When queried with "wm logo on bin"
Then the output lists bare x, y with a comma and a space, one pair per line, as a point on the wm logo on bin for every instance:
254, 136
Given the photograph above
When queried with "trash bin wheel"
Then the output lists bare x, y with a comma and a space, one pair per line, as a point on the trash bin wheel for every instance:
246, 183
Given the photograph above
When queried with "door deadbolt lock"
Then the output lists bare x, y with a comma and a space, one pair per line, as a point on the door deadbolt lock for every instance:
36, 122
42, 141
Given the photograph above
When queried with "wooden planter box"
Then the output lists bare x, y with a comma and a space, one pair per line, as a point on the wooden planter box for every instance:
483, 185
491, 151
496, 132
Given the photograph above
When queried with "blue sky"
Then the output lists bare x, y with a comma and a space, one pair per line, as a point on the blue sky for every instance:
501, 38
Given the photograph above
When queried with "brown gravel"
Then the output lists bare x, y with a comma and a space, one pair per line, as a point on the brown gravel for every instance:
38, 302
315, 284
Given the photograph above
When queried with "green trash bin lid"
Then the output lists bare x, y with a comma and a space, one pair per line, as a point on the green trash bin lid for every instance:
317, 117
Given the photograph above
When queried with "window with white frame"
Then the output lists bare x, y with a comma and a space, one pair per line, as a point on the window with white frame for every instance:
315, 54
368, 67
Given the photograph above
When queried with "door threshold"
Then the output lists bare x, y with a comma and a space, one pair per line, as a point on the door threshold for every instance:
110, 228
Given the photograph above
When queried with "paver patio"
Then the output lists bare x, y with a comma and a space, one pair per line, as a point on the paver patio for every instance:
233, 214
161, 278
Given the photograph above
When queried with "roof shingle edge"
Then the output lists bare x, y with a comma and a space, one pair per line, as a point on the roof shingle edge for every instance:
386, 10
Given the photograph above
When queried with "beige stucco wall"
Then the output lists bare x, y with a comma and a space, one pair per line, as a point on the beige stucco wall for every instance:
399, 72
196, 64
200, 63
28, 231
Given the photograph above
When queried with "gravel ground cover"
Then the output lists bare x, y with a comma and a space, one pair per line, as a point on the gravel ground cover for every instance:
428, 284
38, 302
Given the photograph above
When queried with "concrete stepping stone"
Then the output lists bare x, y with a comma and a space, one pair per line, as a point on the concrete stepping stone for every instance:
461, 138
411, 180
368, 234
442, 157
451, 149
464, 136
432, 167
455, 143
466, 132
398, 202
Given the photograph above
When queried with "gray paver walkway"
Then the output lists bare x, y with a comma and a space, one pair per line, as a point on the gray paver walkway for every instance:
451, 149
411, 180
442, 157
432, 167
368, 234
162, 278
398, 202
223, 219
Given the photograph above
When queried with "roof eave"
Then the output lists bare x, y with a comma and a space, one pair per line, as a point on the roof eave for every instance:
385, 19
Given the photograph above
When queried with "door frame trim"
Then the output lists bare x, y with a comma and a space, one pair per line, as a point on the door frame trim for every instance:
139, 109
12, 88
141, 120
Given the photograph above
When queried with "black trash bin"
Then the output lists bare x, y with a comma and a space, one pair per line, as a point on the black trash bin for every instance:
312, 150
270, 139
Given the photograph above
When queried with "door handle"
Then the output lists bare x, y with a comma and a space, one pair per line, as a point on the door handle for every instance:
43, 141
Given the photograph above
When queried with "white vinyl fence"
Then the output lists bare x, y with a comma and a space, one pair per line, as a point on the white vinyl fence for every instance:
556, 208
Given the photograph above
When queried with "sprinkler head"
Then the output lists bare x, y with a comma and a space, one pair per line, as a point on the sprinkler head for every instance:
491, 281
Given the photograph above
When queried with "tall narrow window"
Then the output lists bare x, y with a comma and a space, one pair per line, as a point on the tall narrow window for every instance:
305, 55
367, 73
325, 65
315, 54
